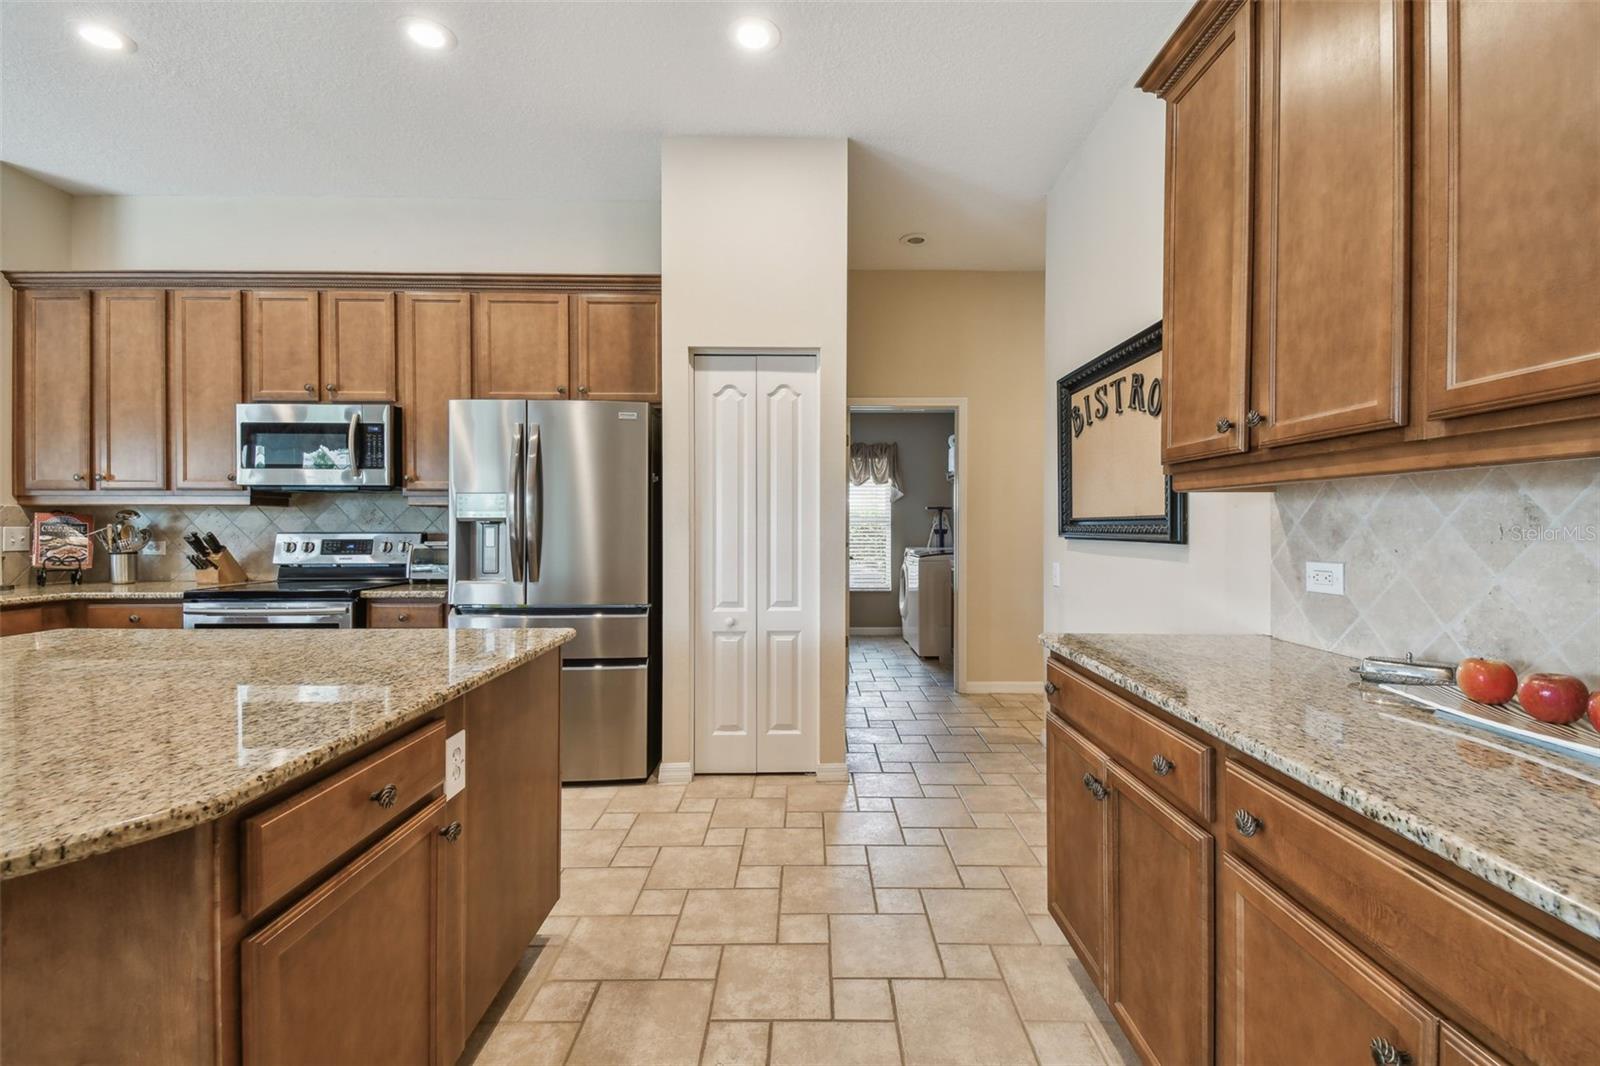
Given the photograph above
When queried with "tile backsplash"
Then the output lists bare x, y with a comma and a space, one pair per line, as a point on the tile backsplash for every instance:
248, 531
1498, 561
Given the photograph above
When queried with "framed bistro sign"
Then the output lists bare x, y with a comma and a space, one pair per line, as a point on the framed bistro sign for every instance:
1108, 427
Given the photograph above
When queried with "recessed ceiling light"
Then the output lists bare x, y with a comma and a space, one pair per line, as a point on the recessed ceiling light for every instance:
755, 34
913, 238
426, 33
105, 37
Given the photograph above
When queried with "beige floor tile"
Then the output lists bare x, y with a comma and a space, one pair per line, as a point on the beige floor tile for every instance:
912, 868
847, 855
968, 960
834, 1044
719, 785
614, 948
909, 753
599, 890
996, 798
742, 813
886, 785
779, 847
940, 792
581, 813
992, 820
1042, 984
644, 1023
1031, 827
983, 877
1029, 883
728, 916
698, 804
589, 847
527, 1044
957, 1023
560, 1001
804, 820
760, 876
932, 813
1001, 763
680, 867
854, 827
802, 928
946, 773
645, 857
658, 830
557, 927
1065, 1044
923, 837
722, 838
898, 901
882, 945
861, 999
821, 797
827, 890
957, 742
614, 821
638, 798
659, 901
874, 803
986, 847
735, 1044
687, 962
1046, 929
773, 981
977, 916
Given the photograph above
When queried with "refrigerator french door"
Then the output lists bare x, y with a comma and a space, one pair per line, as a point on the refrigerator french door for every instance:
551, 513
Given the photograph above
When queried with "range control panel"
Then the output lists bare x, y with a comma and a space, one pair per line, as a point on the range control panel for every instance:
342, 549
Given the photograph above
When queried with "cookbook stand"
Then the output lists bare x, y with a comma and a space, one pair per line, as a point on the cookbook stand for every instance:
227, 572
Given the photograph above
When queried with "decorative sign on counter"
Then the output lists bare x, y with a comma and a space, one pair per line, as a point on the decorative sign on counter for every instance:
61, 542
1108, 415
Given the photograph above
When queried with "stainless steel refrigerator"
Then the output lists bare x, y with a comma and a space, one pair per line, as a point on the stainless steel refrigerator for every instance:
552, 523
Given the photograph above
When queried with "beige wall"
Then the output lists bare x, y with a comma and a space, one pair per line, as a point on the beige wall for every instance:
754, 256
978, 335
1103, 249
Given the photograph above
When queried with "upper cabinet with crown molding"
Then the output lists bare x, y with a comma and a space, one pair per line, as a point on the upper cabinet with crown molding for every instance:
1377, 254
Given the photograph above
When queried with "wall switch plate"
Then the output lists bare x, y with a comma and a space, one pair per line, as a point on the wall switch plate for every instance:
155, 547
15, 539
1055, 574
1327, 578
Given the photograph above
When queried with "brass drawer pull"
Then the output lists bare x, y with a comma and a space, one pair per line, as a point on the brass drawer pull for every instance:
451, 832
385, 796
1093, 784
1386, 1054
1161, 765
1246, 823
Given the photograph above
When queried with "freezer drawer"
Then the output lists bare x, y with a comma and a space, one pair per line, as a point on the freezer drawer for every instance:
605, 721
600, 635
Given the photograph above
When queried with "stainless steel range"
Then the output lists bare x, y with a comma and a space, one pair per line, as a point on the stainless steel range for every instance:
321, 577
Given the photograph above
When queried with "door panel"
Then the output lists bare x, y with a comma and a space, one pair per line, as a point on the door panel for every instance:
1206, 324
1513, 104
206, 364
54, 392
618, 352
358, 356
1078, 836
282, 346
487, 438
1330, 336
520, 346
605, 720
130, 389
435, 367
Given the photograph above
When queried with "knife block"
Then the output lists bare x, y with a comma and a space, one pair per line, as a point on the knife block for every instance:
228, 571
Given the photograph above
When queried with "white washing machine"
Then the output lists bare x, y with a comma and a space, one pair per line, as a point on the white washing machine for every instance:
926, 600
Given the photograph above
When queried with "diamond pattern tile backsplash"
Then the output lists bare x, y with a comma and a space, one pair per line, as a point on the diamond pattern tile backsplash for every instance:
1499, 561
248, 531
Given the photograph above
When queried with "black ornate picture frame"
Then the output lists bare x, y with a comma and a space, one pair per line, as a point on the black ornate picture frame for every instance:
1135, 397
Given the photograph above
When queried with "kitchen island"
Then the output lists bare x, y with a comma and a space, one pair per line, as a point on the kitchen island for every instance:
223, 847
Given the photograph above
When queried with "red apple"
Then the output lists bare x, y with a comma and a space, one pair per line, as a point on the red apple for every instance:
1487, 680
1594, 708
1554, 698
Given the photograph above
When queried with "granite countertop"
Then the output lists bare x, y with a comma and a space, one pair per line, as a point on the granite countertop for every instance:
412, 590
29, 594
1521, 818
109, 737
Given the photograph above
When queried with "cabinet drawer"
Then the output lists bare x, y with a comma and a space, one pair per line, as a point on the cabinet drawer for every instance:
17, 621
288, 843
133, 616
1175, 766
1534, 993
424, 615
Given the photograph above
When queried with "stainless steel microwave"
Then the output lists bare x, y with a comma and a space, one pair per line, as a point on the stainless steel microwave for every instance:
308, 446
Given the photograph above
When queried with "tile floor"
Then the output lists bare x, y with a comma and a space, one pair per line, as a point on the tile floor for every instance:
897, 918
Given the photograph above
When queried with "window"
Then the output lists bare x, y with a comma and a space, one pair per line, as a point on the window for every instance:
871, 567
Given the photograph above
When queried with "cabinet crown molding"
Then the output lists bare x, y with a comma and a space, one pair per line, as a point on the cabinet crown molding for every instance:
1203, 22
293, 279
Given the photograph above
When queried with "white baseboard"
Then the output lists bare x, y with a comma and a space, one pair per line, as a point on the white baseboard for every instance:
675, 773
1004, 687
874, 631
832, 772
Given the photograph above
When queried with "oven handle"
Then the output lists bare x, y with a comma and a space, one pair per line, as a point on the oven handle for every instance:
258, 612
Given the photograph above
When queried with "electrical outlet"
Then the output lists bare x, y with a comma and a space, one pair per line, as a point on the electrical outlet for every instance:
154, 547
15, 539
1327, 578
1055, 574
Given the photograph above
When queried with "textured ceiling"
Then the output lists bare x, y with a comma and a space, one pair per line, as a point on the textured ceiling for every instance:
960, 114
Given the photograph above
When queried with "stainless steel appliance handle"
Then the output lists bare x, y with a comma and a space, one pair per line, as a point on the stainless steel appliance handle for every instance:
535, 506
244, 456
514, 512
258, 612
355, 431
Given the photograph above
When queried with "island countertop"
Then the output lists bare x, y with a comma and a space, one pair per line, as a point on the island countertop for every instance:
1520, 818
112, 737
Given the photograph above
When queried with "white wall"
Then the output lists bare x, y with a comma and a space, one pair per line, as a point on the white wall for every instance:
228, 233
754, 254
1103, 253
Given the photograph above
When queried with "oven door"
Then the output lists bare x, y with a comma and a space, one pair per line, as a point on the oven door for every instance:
221, 614
315, 445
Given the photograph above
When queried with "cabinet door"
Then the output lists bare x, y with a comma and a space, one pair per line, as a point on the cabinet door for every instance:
1513, 204
1206, 324
1331, 291
1458, 1049
281, 346
130, 389
435, 368
1160, 943
1289, 990
349, 974
358, 358
618, 355
206, 367
1077, 817
54, 393
520, 346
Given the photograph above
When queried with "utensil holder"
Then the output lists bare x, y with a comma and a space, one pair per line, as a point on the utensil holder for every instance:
227, 572
124, 567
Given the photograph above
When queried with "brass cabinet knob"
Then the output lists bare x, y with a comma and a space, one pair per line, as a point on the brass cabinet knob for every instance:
134, 619
561, 390
403, 617
583, 390
99, 477
311, 388
1224, 424
451, 832
1254, 418
385, 796
1246, 823
77, 477
333, 390
1161, 765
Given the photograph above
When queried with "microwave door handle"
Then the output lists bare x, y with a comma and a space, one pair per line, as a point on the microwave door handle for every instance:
535, 505
354, 435
514, 512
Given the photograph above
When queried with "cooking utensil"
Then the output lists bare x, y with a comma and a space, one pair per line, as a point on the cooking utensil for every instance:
1408, 671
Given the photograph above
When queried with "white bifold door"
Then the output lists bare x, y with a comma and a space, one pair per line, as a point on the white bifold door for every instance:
755, 672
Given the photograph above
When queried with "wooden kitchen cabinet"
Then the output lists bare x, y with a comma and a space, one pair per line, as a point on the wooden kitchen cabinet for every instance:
1078, 833
134, 614
130, 389
206, 368
358, 350
55, 393
421, 614
282, 346
435, 366
617, 354
521, 348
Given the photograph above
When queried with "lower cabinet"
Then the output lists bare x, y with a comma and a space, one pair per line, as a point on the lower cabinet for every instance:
348, 974
1078, 833
421, 614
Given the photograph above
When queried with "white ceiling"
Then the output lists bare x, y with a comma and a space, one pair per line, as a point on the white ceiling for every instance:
960, 114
